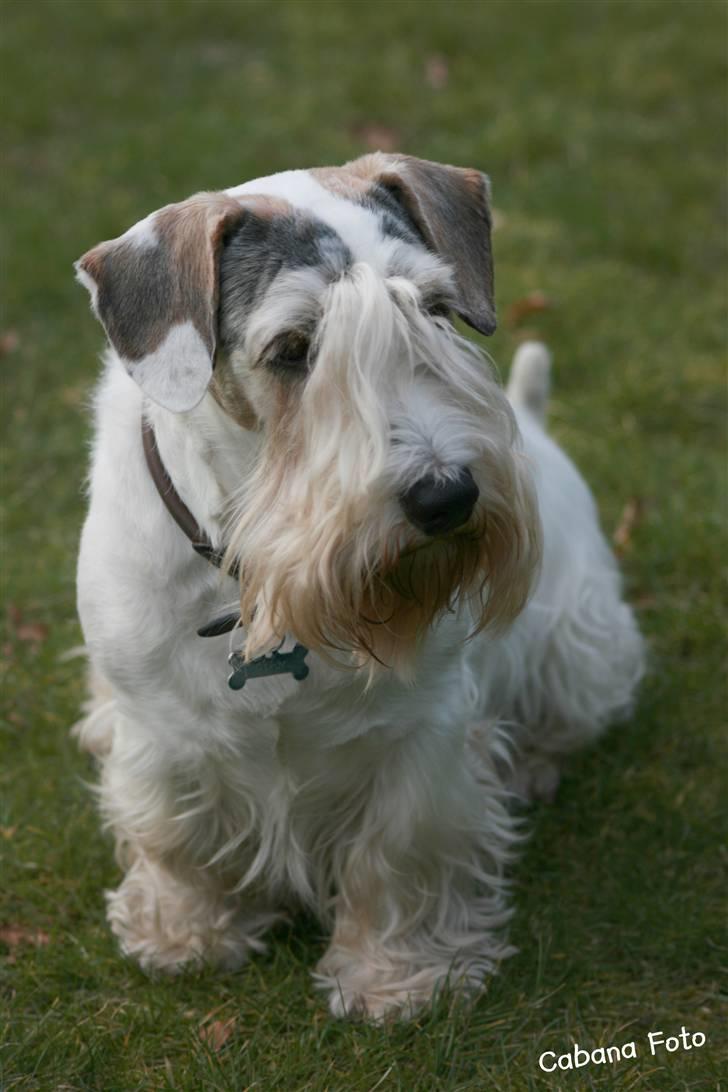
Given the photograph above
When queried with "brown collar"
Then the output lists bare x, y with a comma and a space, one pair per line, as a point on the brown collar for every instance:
277, 663
189, 526
174, 504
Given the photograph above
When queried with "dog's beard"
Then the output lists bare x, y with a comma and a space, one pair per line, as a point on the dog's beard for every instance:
323, 552
405, 596
343, 587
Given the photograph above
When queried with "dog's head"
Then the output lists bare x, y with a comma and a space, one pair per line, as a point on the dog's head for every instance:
315, 307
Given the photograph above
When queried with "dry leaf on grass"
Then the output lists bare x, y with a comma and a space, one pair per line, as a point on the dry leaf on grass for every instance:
532, 304
7, 832
14, 935
33, 632
376, 137
632, 515
9, 342
217, 1032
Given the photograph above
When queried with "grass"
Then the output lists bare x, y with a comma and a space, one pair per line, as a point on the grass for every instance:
603, 126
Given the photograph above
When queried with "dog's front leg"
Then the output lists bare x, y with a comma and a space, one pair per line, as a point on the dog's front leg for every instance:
185, 834
169, 917
420, 901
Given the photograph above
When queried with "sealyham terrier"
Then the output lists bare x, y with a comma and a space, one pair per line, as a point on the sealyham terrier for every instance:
343, 597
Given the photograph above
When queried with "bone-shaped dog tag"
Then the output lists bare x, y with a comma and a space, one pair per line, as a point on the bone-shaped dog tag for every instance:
277, 663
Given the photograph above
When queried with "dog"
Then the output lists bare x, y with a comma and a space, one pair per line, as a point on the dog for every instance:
343, 597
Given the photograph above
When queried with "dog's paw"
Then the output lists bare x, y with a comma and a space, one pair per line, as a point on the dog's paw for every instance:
382, 992
171, 944
377, 1003
377, 1006
169, 926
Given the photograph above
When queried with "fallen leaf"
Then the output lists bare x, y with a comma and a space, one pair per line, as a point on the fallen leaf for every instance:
35, 632
437, 72
532, 304
376, 137
7, 832
14, 935
9, 342
632, 515
217, 1033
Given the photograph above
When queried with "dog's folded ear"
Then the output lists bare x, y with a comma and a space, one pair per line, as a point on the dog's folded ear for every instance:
155, 290
450, 207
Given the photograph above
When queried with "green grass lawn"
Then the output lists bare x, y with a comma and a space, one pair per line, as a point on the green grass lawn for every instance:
603, 127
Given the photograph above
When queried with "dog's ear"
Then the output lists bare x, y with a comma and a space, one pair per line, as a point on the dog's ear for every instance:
450, 207
155, 290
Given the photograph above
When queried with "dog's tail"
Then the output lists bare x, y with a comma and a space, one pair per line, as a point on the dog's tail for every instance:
530, 378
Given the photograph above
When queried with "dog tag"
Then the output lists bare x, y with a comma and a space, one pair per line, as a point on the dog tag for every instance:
277, 663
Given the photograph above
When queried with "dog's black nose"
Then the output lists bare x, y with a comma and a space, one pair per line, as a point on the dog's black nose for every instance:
439, 506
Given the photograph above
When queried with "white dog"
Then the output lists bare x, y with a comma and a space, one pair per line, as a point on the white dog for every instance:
420, 587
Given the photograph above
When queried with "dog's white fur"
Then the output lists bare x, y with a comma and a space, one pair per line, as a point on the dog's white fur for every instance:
377, 798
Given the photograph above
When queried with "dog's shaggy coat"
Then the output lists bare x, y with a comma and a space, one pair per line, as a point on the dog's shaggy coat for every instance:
290, 343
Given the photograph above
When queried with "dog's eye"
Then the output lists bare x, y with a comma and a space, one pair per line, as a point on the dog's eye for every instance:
289, 354
439, 309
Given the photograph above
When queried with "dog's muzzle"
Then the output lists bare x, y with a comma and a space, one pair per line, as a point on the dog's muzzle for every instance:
436, 507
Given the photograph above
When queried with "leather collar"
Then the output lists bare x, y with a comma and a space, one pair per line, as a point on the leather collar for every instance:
189, 526
277, 663
174, 504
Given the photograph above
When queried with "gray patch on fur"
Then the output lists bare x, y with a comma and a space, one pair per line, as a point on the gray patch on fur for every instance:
448, 208
257, 250
137, 295
394, 219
